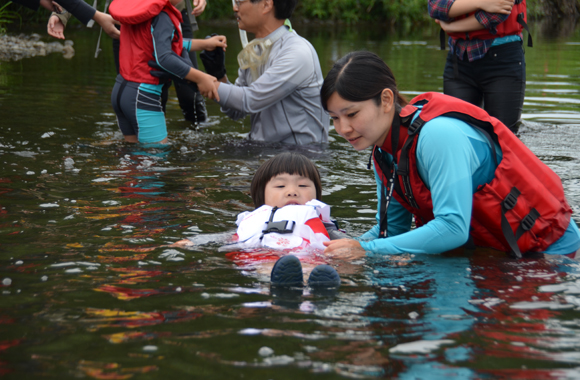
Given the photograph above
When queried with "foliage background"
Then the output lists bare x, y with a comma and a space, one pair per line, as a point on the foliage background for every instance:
394, 13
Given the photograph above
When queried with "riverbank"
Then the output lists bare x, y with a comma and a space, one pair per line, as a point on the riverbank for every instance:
15, 48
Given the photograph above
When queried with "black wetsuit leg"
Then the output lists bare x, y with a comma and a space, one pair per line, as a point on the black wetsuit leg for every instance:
190, 99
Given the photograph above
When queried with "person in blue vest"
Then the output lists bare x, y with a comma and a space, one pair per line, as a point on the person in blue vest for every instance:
486, 65
463, 175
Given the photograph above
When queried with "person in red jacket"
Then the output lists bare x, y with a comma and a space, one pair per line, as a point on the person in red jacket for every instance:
460, 173
486, 65
151, 31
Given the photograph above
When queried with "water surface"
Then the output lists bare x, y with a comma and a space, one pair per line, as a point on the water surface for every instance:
89, 290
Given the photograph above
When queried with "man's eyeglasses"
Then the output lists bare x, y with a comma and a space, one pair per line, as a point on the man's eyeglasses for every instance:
238, 2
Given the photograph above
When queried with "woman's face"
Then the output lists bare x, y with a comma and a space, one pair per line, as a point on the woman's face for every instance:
363, 124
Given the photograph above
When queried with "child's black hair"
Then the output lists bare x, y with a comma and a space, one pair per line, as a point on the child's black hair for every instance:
287, 162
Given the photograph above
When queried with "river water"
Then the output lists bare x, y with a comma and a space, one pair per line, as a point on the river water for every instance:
90, 290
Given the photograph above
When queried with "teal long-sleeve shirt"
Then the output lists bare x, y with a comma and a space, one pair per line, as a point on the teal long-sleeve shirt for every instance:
453, 159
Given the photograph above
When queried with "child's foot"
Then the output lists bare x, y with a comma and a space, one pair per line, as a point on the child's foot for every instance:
287, 272
324, 276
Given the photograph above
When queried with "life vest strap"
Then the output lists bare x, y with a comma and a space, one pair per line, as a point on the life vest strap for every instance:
525, 225
524, 24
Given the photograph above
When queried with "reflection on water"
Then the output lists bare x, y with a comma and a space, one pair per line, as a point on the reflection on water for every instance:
89, 287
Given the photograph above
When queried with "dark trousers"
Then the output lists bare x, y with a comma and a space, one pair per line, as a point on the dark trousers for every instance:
496, 82
191, 101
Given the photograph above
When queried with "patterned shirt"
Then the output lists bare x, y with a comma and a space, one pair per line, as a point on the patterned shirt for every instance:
475, 48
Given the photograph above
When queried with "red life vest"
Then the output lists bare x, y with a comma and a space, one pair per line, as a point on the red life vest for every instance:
525, 196
509, 27
136, 44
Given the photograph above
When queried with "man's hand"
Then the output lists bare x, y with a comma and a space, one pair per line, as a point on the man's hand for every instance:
108, 24
344, 249
198, 7
55, 27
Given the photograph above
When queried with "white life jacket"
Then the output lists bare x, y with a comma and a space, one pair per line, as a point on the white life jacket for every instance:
306, 223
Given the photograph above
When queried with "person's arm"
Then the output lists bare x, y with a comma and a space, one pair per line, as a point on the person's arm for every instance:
489, 13
463, 7
34, 4
78, 8
108, 23
198, 7
446, 160
439, 9
208, 44
162, 33
291, 68
464, 25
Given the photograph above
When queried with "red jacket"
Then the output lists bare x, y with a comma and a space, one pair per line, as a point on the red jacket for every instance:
514, 24
540, 215
136, 41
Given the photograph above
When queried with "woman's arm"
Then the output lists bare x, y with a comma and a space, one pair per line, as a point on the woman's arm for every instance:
463, 7
464, 25
446, 161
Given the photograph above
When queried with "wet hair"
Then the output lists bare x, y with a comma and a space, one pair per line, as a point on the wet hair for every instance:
360, 76
283, 9
287, 162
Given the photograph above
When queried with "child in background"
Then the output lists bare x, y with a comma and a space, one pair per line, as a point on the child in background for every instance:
151, 31
286, 231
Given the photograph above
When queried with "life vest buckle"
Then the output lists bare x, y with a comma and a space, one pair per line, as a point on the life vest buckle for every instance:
279, 227
511, 199
529, 220
415, 126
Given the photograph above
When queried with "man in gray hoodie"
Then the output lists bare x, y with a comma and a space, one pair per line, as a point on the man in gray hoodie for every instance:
279, 79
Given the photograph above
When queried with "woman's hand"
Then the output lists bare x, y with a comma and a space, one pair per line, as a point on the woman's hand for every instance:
55, 27
344, 249
215, 41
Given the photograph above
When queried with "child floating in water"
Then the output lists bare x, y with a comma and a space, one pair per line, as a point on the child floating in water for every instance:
286, 231
151, 31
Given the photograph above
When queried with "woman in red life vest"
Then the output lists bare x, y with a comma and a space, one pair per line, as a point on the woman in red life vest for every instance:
486, 64
152, 31
460, 173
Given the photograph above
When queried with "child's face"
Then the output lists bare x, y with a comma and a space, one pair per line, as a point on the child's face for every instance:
285, 189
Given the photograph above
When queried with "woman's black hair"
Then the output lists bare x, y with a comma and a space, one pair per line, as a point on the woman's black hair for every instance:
287, 162
359, 76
